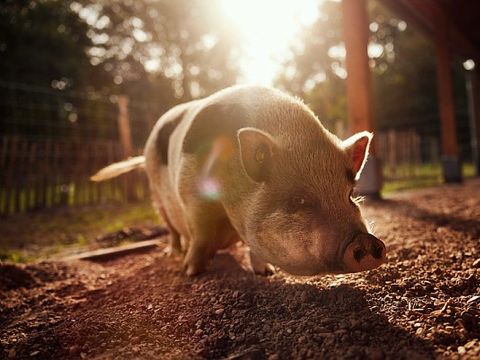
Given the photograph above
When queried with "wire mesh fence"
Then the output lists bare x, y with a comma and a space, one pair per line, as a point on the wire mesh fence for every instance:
52, 141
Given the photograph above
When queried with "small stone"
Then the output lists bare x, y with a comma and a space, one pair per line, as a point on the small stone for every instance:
473, 299
470, 344
461, 350
219, 311
324, 334
149, 307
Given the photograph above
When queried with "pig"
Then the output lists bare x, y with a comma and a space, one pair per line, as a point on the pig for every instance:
252, 163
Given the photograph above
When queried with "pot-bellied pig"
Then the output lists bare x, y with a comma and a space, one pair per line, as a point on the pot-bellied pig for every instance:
254, 164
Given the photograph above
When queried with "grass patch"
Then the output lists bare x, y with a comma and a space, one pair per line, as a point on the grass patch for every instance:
32, 236
405, 177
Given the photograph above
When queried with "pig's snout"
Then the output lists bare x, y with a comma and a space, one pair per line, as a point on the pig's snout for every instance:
365, 252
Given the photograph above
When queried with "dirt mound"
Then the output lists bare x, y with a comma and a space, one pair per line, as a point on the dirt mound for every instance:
424, 303
28, 276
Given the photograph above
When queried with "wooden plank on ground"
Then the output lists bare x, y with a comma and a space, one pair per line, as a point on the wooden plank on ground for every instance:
114, 252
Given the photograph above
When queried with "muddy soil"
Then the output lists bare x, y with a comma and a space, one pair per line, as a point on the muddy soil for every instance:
424, 303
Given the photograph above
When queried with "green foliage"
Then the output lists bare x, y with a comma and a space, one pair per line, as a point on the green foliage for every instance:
64, 62
310, 71
41, 41
188, 40
402, 62
405, 89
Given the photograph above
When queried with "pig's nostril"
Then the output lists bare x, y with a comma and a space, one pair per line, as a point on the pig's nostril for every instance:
377, 250
359, 254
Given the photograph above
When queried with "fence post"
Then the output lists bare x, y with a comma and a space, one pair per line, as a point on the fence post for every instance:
124, 126
125, 134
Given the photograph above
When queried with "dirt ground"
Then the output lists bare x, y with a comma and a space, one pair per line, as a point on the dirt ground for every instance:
424, 303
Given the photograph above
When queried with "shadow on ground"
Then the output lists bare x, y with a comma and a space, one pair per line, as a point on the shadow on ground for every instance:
408, 208
226, 313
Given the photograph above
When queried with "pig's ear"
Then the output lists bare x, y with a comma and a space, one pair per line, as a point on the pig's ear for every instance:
356, 148
256, 151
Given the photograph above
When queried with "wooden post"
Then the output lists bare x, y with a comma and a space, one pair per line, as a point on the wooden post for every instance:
359, 91
450, 159
124, 126
126, 142
473, 94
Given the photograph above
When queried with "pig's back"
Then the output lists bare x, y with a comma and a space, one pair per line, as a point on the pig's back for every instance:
160, 150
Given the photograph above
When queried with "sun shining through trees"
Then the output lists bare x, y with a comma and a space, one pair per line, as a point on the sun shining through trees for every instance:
267, 29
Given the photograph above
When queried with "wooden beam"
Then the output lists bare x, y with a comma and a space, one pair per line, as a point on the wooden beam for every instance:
450, 157
114, 252
424, 13
473, 90
445, 87
124, 126
359, 89
359, 92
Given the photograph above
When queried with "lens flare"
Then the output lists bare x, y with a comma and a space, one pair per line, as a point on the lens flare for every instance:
209, 188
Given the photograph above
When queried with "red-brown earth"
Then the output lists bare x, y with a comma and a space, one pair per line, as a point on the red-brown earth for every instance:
424, 303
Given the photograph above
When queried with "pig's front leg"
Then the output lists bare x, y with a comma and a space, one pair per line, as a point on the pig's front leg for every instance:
198, 256
202, 223
174, 246
259, 266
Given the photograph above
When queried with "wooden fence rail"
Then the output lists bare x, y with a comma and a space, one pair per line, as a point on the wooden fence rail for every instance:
404, 154
38, 174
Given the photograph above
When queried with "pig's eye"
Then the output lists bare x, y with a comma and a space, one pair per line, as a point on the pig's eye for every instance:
298, 203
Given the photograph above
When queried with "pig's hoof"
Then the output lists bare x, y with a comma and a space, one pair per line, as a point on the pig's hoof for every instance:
171, 251
264, 270
192, 269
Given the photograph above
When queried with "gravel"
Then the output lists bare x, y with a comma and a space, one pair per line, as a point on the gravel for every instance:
424, 303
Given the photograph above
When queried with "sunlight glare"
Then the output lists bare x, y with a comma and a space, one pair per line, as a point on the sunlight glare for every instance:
267, 28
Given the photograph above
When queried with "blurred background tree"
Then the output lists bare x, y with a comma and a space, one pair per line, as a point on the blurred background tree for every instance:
161, 52
403, 65
157, 52
181, 48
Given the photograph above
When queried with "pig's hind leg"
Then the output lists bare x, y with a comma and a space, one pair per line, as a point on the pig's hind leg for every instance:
174, 246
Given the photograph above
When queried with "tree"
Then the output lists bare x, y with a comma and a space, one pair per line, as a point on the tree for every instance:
42, 55
64, 62
184, 42
316, 70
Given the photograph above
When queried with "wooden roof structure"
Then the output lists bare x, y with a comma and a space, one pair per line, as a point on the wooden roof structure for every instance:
462, 19
454, 28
